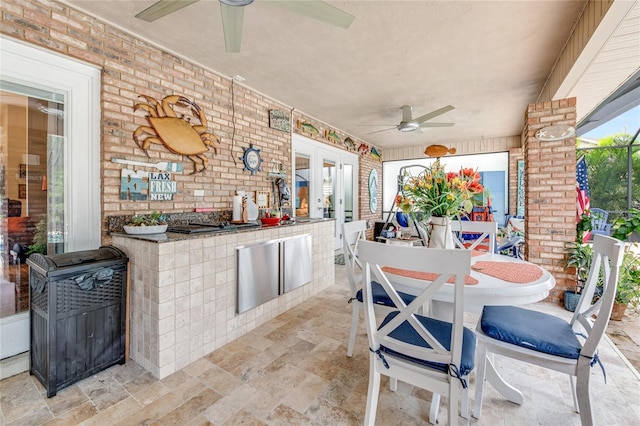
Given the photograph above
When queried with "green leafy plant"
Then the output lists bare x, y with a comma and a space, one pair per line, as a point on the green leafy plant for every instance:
580, 257
584, 225
39, 244
629, 280
622, 227
152, 219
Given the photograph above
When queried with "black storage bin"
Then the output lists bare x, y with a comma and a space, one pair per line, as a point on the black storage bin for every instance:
78, 314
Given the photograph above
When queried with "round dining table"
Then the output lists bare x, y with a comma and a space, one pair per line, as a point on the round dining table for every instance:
495, 279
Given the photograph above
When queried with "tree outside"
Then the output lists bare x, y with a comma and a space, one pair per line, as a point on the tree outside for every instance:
608, 173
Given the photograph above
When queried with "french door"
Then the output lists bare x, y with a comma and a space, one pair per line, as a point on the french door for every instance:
49, 172
325, 183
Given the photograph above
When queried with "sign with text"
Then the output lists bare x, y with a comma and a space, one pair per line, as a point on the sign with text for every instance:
161, 187
279, 120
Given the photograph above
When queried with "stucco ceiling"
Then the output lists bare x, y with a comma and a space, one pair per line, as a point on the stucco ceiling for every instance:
489, 59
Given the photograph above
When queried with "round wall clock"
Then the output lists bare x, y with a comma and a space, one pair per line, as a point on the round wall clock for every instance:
251, 158
373, 190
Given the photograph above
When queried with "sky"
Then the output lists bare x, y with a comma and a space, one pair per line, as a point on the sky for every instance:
629, 120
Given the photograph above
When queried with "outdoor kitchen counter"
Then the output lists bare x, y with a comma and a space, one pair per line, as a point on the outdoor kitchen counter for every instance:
178, 236
182, 290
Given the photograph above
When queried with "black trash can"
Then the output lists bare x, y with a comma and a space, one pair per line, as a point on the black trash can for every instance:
78, 314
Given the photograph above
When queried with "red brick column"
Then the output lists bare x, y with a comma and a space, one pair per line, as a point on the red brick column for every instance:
550, 191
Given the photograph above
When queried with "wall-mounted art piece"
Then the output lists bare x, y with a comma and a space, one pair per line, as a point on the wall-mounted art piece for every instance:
133, 185
349, 144
263, 199
307, 128
373, 190
332, 136
181, 133
520, 189
22, 191
279, 120
375, 154
251, 158
22, 172
363, 149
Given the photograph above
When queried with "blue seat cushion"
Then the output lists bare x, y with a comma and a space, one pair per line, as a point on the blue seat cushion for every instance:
531, 329
441, 331
380, 297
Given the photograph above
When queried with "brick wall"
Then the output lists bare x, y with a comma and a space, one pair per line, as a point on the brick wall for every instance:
550, 191
367, 163
131, 67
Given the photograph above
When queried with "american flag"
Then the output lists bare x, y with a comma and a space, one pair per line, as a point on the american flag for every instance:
582, 188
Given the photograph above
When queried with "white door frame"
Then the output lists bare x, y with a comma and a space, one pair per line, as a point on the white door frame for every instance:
317, 152
80, 85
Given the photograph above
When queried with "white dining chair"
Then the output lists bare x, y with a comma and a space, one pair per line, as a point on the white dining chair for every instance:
551, 342
425, 352
352, 234
486, 230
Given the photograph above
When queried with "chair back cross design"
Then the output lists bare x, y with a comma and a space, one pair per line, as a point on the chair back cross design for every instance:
549, 341
486, 230
425, 352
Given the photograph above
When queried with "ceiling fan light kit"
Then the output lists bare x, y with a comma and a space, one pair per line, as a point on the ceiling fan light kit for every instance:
410, 124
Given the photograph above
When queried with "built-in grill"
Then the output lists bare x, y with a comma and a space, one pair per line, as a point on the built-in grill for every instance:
199, 227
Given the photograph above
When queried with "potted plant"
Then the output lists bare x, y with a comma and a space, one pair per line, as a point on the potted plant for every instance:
580, 256
628, 282
152, 223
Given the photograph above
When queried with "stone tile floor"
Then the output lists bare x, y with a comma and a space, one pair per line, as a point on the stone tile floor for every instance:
626, 336
293, 370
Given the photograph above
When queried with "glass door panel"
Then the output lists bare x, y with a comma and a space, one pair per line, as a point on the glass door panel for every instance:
32, 190
302, 177
329, 180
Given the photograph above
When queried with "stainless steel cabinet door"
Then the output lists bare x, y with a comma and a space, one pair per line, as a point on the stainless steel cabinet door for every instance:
258, 274
296, 265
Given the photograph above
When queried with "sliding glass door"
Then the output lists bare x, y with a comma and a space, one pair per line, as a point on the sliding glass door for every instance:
49, 172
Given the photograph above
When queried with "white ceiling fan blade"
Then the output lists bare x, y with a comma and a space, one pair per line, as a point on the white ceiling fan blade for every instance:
423, 125
232, 18
383, 130
433, 114
406, 113
163, 8
319, 10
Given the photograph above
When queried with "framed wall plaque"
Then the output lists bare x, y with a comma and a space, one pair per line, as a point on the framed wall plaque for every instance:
262, 199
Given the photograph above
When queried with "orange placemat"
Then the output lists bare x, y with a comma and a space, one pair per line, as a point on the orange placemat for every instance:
427, 276
475, 253
515, 272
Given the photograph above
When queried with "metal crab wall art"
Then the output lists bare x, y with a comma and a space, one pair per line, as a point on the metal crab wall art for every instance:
176, 132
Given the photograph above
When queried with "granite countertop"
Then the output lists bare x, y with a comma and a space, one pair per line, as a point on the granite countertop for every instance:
175, 236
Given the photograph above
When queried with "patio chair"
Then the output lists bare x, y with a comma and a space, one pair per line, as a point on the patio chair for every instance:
481, 232
352, 234
551, 342
599, 223
425, 352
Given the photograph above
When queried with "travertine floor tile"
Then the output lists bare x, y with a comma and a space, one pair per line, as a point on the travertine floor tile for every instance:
293, 370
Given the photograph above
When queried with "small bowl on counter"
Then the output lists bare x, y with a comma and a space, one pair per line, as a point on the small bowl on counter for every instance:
270, 221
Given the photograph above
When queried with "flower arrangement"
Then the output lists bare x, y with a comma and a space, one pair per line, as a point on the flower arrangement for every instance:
154, 218
435, 192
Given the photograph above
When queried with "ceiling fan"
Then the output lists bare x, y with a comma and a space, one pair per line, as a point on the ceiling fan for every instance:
232, 12
409, 124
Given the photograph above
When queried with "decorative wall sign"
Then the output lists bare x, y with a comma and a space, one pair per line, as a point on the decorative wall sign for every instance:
279, 120
175, 131
373, 190
251, 158
332, 136
262, 199
132, 185
307, 128
22, 190
520, 186
22, 173
161, 187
